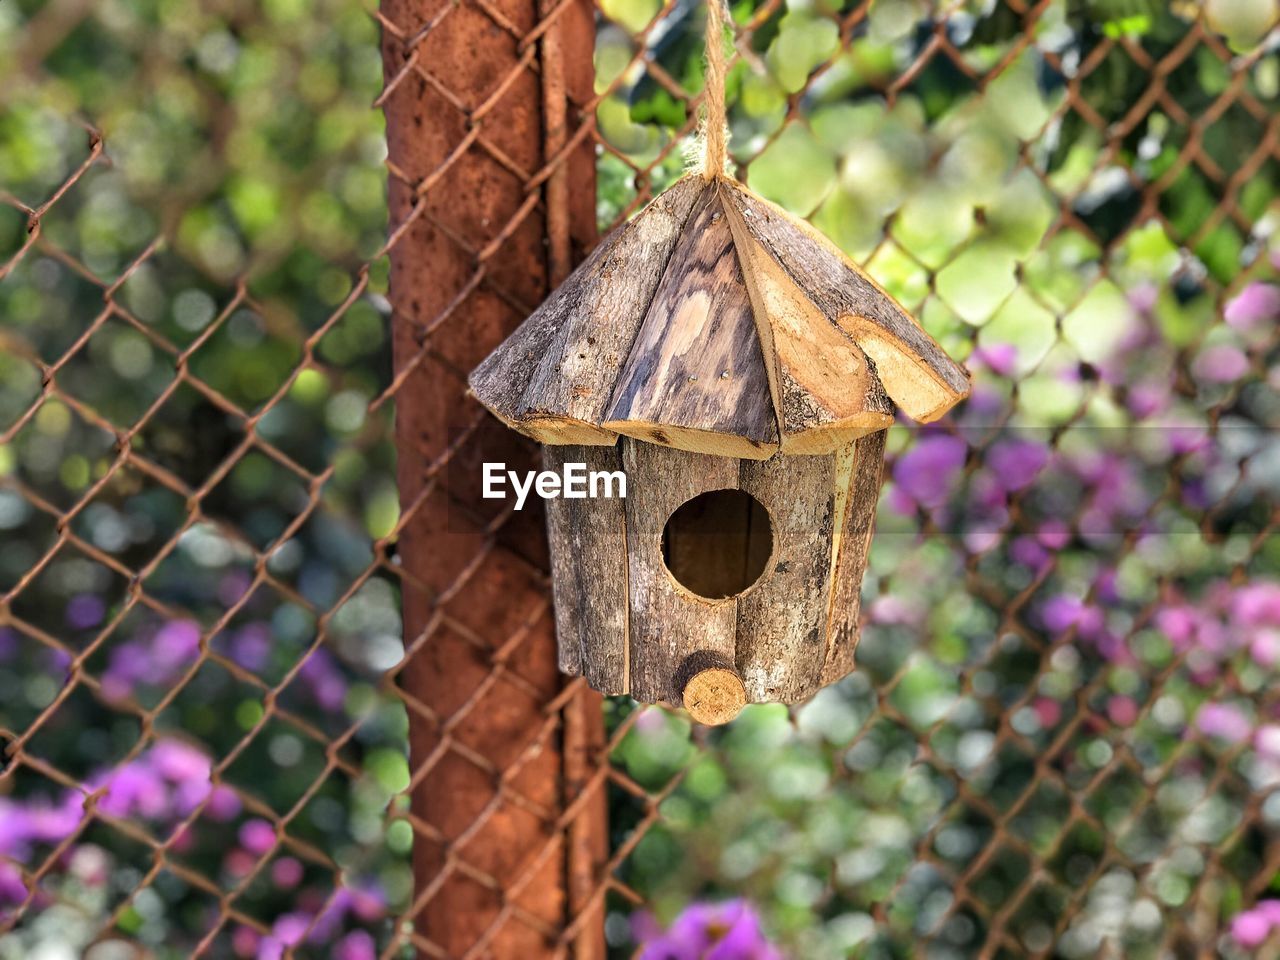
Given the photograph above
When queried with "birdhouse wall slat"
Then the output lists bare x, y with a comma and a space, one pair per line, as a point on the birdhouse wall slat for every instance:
695, 378
588, 547
554, 377
667, 622
852, 545
782, 623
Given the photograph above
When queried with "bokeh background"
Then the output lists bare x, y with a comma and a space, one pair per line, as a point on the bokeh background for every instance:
1064, 735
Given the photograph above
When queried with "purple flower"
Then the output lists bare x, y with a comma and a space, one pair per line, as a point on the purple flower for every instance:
13, 889
176, 645
1143, 297
1224, 721
155, 661
234, 586
1054, 534
1147, 399
927, 472
1256, 304
1017, 463
322, 677
1220, 364
179, 761
85, 611
288, 931
134, 789
365, 902
999, 358
48, 823
356, 945
1027, 552
706, 931
251, 647
1062, 612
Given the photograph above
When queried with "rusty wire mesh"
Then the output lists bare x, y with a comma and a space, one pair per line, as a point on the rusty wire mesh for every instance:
1063, 736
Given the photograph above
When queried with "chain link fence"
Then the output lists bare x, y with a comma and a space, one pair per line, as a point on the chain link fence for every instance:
274, 681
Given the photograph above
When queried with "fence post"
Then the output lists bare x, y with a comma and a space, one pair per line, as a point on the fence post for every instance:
492, 200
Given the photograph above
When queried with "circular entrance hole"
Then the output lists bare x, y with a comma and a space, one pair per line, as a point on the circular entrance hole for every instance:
718, 544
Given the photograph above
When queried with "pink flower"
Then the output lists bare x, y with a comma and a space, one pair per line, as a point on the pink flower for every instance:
1224, 721
1265, 648
1147, 399
1178, 622
223, 804
1143, 297
239, 863
1253, 306
286, 873
1220, 364
244, 941
1257, 604
257, 836
709, 931
1250, 929
1048, 712
893, 609
1122, 711
1267, 742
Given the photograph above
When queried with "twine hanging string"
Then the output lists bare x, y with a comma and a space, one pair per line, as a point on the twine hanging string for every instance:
715, 151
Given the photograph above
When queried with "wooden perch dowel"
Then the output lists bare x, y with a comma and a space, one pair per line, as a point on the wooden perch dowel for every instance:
710, 689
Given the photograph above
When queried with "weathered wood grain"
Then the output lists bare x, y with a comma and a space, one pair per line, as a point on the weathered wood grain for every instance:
824, 391
917, 374
588, 546
861, 466
782, 621
695, 379
553, 377
667, 622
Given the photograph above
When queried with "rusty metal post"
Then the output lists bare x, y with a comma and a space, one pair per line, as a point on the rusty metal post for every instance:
482, 103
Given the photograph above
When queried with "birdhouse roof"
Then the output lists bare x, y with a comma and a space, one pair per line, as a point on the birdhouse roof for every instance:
715, 321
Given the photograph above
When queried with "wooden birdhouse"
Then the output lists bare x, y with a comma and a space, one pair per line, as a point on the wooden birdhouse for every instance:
740, 372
